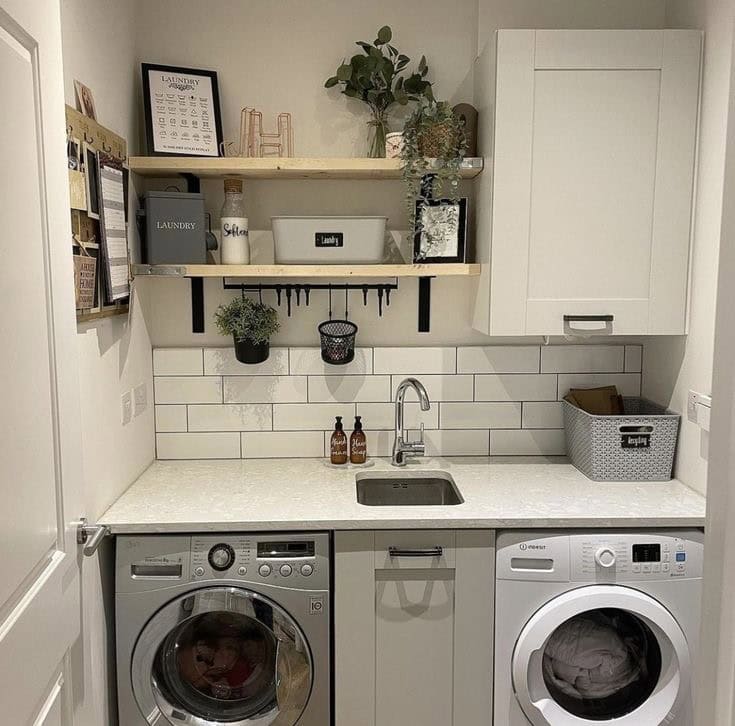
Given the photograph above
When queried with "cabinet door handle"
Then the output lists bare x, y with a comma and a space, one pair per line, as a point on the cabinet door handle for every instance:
606, 324
589, 318
423, 552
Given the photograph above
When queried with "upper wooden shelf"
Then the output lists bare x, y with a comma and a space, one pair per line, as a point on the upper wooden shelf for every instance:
280, 168
306, 271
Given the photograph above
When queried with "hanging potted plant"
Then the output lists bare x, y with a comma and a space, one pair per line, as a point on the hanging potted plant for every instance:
251, 324
377, 79
434, 145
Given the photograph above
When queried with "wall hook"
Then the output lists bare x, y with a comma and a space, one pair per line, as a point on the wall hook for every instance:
387, 296
307, 293
260, 294
380, 301
298, 296
278, 295
347, 292
288, 300
364, 295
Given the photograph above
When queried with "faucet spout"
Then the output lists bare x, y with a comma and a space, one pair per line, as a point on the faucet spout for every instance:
400, 446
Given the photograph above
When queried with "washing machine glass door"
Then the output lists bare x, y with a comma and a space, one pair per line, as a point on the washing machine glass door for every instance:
603, 653
221, 655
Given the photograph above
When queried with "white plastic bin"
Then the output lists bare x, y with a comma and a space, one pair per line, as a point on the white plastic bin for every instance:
328, 240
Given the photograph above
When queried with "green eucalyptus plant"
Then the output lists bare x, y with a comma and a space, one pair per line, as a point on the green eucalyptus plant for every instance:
376, 77
245, 319
434, 145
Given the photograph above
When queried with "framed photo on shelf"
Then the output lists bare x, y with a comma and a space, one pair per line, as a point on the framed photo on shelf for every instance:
182, 111
441, 230
91, 177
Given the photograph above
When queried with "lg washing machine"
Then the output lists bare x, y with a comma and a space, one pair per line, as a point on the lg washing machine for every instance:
596, 627
231, 628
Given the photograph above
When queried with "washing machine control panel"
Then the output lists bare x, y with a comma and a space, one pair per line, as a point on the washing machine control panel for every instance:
633, 557
281, 560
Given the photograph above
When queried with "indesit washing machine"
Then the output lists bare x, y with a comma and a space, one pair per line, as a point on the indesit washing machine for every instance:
596, 627
231, 628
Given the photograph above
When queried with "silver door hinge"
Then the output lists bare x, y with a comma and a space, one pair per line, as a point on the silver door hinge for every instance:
90, 535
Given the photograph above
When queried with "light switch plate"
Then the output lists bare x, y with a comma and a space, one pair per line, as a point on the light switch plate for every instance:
126, 405
140, 399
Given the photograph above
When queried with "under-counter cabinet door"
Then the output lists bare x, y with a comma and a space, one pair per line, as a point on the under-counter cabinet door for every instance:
594, 151
413, 627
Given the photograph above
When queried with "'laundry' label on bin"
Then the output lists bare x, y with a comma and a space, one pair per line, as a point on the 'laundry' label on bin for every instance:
329, 239
635, 441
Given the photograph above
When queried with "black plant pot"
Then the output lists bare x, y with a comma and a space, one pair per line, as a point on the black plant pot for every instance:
248, 352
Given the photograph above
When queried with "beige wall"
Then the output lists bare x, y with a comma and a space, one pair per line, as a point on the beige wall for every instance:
676, 365
115, 353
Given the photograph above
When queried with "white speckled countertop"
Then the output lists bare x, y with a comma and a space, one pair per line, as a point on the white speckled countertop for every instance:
307, 494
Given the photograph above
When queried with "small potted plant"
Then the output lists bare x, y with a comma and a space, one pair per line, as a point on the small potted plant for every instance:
251, 325
377, 79
434, 146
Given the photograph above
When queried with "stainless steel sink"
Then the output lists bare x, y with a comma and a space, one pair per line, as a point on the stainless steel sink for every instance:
407, 489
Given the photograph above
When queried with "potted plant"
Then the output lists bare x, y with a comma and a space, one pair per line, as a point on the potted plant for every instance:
378, 80
251, 324
434, 146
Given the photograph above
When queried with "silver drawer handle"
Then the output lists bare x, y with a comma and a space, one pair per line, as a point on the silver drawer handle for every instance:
589, 318
426, 552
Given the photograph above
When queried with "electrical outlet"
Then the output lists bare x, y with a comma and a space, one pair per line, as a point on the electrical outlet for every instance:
698, 408
126, 403
140, 399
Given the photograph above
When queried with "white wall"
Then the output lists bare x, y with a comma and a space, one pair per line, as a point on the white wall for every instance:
244, 42
676, 365
114, 353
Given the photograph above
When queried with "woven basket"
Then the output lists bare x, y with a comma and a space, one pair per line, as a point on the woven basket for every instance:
434, 141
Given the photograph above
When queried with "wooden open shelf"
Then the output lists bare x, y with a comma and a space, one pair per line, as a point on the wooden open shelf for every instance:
307, 271
280, 168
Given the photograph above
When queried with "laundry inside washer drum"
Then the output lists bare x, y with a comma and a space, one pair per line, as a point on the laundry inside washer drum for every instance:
602, 664
219, 666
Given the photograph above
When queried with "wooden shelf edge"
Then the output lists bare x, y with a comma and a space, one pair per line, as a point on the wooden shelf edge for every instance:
100, 314
281, 168
308, 271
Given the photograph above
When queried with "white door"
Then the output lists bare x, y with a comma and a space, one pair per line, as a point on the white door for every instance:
653, 687
593, 176
40, 450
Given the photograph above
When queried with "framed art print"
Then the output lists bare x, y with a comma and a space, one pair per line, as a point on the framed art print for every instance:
182, 112
441, 230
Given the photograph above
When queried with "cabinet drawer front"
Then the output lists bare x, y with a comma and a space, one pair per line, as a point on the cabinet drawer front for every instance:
546, 317
422, 549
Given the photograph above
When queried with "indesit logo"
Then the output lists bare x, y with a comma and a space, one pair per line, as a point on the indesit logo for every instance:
525, 546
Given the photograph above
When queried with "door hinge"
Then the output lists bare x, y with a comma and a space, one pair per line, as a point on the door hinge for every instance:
90, 535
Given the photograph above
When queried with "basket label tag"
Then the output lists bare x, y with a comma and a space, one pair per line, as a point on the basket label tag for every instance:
329, 239
635, 441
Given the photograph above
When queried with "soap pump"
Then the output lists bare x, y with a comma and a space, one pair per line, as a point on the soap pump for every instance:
338, 444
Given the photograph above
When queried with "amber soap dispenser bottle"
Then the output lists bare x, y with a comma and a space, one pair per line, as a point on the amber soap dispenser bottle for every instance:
338, 444
358, 444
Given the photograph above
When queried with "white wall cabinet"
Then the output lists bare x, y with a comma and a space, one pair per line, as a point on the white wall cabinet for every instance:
413, 634
593, 153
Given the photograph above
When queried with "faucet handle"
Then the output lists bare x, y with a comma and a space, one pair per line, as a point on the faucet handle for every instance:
421, 434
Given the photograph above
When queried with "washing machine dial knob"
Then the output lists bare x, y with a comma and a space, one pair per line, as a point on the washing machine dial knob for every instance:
221, 557
605, 557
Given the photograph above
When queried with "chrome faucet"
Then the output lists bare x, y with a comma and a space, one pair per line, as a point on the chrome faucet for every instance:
401, 447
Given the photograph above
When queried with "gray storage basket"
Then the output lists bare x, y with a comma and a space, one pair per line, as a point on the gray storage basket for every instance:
637, 446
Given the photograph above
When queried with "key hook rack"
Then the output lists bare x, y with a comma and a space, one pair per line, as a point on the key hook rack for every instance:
294, 290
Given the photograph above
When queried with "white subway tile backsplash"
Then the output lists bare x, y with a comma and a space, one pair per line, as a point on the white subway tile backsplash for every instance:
198, 446
265, 389
582, 359
311, 416
629, 384
282, 444
177, 362
501, 399
231, 417
345, 389
527, 442
633, 358
515, 387
187, 389
308, 362
382, 415
498, 359
472, 442
440, 388
479, 415
415, 361
171, 418
222, 362
543, 415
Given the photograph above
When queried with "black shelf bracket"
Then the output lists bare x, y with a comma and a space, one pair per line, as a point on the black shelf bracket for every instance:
424, 304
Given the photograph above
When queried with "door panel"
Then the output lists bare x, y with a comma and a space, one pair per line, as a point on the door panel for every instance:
40, 447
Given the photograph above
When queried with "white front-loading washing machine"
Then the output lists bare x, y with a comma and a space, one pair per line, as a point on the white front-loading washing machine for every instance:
596, 627
223, 629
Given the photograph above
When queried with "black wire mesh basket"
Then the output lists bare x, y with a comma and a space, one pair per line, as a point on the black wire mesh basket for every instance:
338, 341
